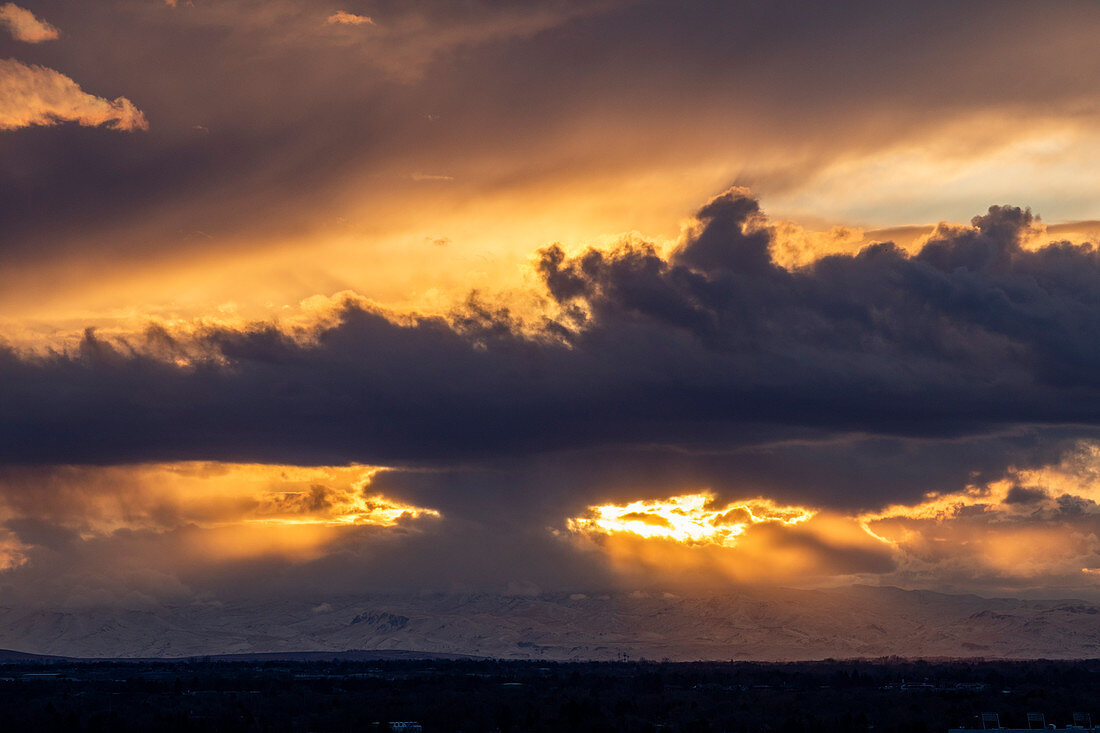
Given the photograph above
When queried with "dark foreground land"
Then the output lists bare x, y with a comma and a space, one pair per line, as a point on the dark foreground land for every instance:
450, 695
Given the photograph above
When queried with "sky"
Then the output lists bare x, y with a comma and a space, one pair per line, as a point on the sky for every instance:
302, 297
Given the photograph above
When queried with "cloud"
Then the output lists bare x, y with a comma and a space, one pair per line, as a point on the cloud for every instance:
210, 526
856, 386
739, 361
342, 17
691, 518
205, 525
863, 391
35, 95
713, 345
693, 541
160, 497
23, 26
200, 514
550, 133
1033, 527
1034, 530
818, 549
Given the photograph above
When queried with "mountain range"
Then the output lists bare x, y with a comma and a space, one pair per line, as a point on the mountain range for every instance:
750, 624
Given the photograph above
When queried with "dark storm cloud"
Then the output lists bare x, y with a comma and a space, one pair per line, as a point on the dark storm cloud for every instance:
850, 473
714, 348
1025, 495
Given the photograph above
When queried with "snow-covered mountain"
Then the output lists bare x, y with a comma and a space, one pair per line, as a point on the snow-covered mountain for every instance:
775, 624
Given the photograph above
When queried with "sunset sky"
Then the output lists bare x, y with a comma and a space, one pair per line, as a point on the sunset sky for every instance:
311, 297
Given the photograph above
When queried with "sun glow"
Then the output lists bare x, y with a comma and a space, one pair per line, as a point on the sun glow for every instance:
689, 518
216, 511
342, 509
694, 541
1033, 523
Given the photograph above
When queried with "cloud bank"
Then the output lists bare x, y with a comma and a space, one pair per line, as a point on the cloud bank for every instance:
859, 391
712, 345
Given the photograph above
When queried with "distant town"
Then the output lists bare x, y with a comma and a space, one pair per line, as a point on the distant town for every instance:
883, 696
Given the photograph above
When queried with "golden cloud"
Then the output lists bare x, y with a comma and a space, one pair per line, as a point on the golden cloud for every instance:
1031, 527
223, 510
692, 539
690, 518
23, 26
345, 506
342, 17
1033, 524
35, 95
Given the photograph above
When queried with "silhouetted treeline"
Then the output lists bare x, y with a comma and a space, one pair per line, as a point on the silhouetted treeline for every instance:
882, 696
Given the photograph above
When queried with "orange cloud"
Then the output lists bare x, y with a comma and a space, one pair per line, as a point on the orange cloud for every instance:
323, 505
691, 539
167, 495
691, 518
342, 17
228, 511
23, 26
35, 95
1032, 525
